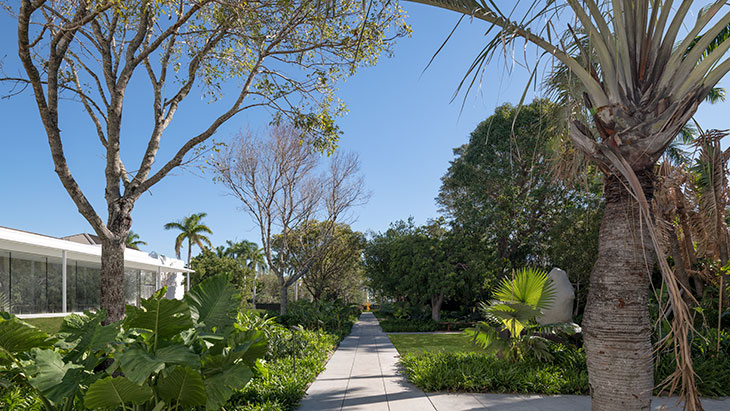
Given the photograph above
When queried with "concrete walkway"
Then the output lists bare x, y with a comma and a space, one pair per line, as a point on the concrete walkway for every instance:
363, 375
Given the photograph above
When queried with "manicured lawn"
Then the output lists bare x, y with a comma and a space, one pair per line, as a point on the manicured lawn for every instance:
418, 343
49, 325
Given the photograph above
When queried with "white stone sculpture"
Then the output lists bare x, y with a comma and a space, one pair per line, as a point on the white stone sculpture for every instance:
562, 309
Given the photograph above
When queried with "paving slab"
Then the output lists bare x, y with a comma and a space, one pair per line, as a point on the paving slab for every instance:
363, 374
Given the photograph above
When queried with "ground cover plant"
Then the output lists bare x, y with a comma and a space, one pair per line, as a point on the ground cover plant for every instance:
481, 372
334, 317
300, 344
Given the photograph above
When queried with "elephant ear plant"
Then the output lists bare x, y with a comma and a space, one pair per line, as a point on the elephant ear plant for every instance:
511, 329
165, 354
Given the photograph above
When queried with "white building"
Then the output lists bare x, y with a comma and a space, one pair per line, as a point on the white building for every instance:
48, 275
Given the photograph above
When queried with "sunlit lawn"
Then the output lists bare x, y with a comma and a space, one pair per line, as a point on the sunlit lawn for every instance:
50, 325
417, 343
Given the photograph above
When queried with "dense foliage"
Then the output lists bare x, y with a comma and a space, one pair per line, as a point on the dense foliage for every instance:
293, 360
419, 265
165, 353
334, 317
479, 372
208, 264
502, 188
244, 362
393, 325
711, 365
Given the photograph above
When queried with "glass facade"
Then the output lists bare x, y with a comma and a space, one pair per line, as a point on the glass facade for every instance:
4, 281
33, 284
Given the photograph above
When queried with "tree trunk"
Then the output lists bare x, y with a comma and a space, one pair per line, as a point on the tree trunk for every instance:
190, 258
436, 301
111, 282
283, 297
679, 265
617, 331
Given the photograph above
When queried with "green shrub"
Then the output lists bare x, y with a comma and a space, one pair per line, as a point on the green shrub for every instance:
289, 373
167, 353
334, 317
712, 368
394, 325
475, 372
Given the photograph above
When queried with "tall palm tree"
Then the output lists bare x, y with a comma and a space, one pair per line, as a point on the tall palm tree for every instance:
644, 85
133, 241
193, 230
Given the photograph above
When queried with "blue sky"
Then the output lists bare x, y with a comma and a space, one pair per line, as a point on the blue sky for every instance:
401, 122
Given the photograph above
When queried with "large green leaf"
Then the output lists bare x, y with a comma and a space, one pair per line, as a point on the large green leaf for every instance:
17, 336
84, 334
247, 346
221, 386
137, 364
113, 392
182, 387
178, 354
162, 317
213, 303
49, 372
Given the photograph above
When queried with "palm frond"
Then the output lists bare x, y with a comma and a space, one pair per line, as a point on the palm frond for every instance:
528, 285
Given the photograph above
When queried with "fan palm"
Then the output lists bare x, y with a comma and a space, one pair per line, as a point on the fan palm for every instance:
133, 241
644, 85
193, 230
518, 302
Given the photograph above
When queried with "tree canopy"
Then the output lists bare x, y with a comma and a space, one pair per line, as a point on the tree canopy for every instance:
418, 264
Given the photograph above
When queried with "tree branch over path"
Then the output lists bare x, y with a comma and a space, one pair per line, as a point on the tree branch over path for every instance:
93, 49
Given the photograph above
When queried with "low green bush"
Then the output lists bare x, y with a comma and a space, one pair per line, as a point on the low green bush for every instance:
394, 325
288, 375
334, 317
475, 372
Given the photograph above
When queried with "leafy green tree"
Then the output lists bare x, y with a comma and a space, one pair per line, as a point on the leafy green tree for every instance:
337, 272
209, 264
416, 264
502, 188
133, 240
501, 185
285, 56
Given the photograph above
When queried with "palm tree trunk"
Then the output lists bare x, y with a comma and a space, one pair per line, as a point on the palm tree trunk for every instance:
190, 257
617, 331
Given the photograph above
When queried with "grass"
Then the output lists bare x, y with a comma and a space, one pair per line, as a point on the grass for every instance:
50, 325
420, 343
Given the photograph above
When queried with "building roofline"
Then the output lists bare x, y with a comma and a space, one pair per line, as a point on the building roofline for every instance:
25, 241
